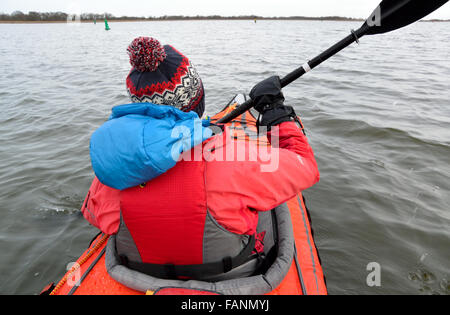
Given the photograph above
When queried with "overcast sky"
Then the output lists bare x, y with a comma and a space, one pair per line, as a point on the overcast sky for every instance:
348, 8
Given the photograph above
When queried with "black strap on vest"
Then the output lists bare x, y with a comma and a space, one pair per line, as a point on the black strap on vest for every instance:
169, 271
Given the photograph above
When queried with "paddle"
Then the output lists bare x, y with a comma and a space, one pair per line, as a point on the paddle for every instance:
388, 16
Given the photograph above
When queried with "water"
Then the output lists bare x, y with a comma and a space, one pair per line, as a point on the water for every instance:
377, 116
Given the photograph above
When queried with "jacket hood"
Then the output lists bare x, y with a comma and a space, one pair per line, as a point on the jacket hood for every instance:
141, 141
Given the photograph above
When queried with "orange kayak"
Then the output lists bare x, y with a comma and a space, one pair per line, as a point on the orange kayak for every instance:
297, 270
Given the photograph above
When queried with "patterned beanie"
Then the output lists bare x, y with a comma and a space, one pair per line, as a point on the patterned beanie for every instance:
162, 75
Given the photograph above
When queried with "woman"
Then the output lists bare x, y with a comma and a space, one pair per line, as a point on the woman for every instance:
177, 213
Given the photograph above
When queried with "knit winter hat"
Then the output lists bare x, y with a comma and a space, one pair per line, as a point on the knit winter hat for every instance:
162, 75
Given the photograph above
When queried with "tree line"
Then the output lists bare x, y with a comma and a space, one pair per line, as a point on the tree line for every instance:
251, 17
32, 16
59, 16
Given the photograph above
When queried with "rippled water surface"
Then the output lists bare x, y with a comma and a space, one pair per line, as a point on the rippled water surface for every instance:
377, 115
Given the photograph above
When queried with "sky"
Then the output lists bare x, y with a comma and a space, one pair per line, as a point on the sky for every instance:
316, 8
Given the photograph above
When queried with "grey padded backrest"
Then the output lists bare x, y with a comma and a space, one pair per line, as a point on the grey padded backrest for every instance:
256, 285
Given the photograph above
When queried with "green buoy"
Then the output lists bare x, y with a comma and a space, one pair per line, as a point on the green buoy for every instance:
106, 25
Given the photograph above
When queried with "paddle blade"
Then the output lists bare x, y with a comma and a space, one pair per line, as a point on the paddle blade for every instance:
394, 14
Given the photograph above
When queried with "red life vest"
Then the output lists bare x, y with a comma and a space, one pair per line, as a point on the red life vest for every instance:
168, 231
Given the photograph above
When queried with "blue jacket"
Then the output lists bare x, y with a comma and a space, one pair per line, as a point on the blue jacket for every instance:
141, 141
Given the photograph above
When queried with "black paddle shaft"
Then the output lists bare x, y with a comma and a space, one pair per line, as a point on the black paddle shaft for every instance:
294, 75
330, 52
388, 16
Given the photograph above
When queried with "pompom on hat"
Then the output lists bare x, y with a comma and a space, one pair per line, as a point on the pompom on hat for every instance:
146, 54
162, 75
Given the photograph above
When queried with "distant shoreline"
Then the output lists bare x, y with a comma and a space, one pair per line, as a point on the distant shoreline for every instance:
201, 18
180, 20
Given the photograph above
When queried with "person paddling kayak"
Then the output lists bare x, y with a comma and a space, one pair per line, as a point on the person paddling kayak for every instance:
178, 214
